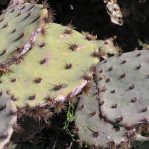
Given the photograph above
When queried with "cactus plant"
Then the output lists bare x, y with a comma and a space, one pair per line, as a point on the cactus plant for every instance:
118, 101
108, 47
52, 70
19, 27
7, 119
114, 11
92, 129
47, 63
122, 82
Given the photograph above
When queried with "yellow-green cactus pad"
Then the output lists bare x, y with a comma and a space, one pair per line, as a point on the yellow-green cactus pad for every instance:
17, 27
57, 66
107, 46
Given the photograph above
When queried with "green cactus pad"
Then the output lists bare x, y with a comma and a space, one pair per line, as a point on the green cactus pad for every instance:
123, 84
7, 118
57, 66
93, 130
17, 26
106, 46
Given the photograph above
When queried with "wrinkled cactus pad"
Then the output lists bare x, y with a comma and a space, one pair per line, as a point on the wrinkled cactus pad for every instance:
7, 118
58, 64
17, 25
123, 84
92, 129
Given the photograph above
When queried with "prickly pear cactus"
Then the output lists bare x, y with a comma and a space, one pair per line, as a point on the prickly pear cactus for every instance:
114, 11
123, 82
59, 65
92, 129
19, 26
107, 46
7, 118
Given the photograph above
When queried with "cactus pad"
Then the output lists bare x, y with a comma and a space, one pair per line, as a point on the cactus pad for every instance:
123, 83
93, 130
17, 25
107, 46
56, 66
114, 11
7, 118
